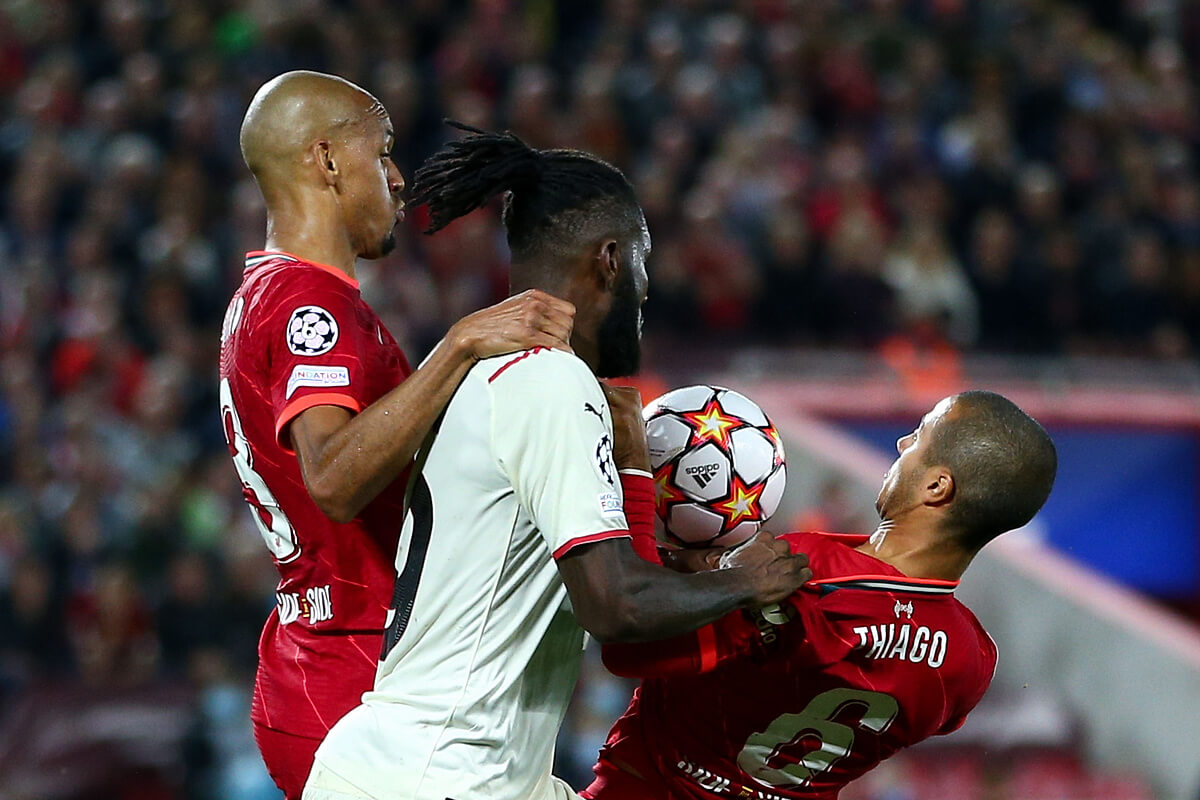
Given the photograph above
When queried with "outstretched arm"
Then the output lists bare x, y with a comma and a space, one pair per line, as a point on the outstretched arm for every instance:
618, 597
701, 650
347, 459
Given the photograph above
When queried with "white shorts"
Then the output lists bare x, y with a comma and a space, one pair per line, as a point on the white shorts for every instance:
325, 784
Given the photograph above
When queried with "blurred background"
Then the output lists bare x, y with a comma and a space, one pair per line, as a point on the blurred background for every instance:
857, 207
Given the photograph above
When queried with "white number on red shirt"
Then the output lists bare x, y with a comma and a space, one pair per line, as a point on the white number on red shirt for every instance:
876, 712
273, 524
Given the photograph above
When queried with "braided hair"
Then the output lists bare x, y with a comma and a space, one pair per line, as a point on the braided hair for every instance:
551, 197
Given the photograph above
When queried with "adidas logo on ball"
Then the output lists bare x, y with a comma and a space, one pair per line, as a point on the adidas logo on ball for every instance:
703, 473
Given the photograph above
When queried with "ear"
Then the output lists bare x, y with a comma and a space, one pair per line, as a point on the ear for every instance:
937, 487
608, 263
322, 154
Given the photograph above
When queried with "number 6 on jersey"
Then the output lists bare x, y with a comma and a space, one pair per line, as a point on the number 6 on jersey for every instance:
836, 740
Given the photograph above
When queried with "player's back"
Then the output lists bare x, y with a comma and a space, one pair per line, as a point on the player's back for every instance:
482, 652
870, 662
297, 335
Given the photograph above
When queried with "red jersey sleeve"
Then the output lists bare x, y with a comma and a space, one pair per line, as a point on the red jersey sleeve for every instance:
731, 637
316, 348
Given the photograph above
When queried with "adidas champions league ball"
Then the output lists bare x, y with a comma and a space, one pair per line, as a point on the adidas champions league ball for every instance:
718, 465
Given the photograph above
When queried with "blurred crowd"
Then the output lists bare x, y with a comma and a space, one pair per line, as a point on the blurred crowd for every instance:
1014, 176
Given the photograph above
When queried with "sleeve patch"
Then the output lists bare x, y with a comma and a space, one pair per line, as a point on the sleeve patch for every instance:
311, 331
605, 466
315, 375
611, 505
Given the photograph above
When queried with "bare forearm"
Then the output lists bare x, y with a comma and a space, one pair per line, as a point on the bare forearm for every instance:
356, 462
618, 597
663, 604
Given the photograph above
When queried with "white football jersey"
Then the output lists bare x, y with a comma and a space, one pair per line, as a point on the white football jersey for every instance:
482, 651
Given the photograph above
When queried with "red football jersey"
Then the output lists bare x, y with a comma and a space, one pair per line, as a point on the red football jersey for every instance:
799, 701
299, 335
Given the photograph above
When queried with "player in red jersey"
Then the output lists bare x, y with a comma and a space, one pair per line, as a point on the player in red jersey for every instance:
322, 412
872, 655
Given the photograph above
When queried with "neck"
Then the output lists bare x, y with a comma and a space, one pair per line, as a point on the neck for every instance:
922, 552
549, 279
586, 348
311, 231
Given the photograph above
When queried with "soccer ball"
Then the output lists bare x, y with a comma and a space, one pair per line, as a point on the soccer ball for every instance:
718, 465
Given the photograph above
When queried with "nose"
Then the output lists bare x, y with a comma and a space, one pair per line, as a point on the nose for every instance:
395, 180
903, 442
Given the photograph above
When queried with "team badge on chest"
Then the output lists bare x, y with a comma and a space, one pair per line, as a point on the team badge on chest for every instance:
311, 331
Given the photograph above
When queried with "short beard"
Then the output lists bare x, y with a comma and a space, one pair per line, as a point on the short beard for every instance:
388, 244
619, 338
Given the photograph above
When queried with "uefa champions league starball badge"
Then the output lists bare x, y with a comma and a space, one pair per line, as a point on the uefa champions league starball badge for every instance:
311, 331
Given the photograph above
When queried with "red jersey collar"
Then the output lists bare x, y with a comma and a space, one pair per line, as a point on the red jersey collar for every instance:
878, 581
256, 257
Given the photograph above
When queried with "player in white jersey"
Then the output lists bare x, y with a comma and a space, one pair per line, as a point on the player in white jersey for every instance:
514, 541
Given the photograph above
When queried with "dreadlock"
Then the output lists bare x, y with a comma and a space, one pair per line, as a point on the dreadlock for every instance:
547, 192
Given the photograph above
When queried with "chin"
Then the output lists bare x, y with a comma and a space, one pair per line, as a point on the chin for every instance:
387, 245
881, 501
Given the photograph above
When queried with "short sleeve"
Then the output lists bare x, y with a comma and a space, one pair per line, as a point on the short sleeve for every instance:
552, 436
316, 349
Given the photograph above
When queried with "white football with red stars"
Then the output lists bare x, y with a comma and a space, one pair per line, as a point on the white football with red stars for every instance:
718, 465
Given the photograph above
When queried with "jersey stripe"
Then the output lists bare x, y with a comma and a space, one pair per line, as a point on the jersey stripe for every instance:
420, 505
617, 533
521, 357
258, 258
886, 584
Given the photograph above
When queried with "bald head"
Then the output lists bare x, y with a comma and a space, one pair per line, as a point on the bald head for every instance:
292, 111
320, 149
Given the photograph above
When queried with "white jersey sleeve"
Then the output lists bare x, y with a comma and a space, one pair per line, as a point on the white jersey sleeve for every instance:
552, 436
